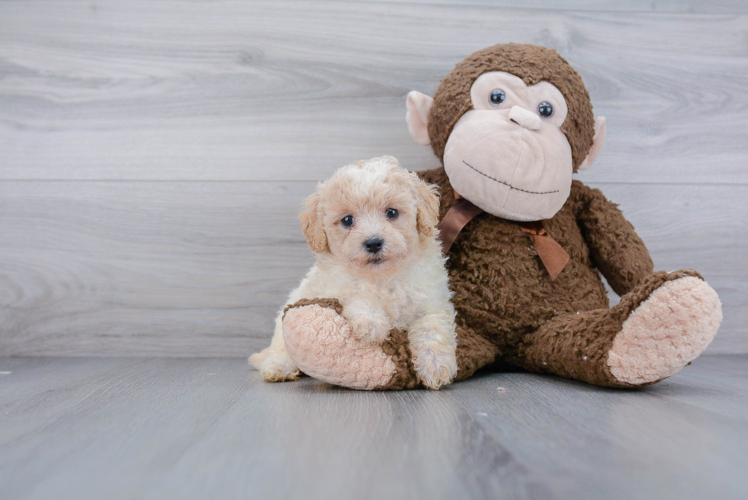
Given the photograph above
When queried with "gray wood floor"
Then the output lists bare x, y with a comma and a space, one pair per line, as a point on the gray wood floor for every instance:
79, 428
152, 158
153, 153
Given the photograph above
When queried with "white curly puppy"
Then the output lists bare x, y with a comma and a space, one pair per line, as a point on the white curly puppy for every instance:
372, 226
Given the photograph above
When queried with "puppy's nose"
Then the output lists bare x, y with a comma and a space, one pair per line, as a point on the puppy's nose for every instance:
373, 245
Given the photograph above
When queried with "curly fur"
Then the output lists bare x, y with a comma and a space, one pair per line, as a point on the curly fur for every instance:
403, 287
508, 308
509, 311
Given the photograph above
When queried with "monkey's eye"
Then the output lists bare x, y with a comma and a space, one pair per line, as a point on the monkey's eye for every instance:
545, 109
391, 213
497, 97
347, 221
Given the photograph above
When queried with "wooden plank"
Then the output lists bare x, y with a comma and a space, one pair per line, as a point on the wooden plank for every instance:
635, 433
136, 268
209, 428
658, 6
291, 90
696, 227
199, 268
719, 390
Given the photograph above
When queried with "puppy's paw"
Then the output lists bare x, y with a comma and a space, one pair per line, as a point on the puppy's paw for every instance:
370, 327
278, 367
435, 364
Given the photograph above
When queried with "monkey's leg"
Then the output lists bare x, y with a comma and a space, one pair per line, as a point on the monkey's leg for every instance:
473, 352
319, 340
656, 329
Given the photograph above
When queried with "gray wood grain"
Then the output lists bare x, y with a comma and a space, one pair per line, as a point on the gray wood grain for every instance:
291, 90
199, 268
679, 6
209, 428
153, 154
136, 268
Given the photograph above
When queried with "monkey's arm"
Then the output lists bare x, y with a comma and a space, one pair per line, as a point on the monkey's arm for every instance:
615, 248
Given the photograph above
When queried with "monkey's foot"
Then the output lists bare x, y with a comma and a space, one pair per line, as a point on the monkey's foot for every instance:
666, 331
320, 342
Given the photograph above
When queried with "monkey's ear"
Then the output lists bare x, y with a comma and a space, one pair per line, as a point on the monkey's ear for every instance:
427, 197
419, 107
597, 143
311, 224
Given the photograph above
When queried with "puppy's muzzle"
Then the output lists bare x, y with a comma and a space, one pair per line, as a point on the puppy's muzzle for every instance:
374, 245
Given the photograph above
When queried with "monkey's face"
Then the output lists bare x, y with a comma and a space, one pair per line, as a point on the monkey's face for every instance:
508, 147
508, 154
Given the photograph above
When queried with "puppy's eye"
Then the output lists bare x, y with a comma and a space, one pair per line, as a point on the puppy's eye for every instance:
391, 213
347, 221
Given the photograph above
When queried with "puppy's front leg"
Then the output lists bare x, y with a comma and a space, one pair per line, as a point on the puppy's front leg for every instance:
433, 342
368, 323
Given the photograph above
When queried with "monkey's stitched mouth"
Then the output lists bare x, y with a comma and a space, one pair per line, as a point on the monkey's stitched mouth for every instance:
507, 184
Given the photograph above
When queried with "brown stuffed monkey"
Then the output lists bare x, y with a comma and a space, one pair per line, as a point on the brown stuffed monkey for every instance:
527, 244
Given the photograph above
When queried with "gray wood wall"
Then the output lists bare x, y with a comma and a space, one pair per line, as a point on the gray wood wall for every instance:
153, 154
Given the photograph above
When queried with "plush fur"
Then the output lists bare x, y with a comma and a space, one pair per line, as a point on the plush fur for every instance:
650, 346
509, 312
509, 309
319, 340
533, 64
404, 286
329, 338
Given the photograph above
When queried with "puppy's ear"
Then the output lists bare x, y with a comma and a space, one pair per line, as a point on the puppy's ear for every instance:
427, 196
311, 224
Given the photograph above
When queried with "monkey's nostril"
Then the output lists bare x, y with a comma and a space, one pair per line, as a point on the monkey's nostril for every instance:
524, 118
374, 245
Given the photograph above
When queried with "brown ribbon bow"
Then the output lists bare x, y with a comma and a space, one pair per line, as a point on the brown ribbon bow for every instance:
457, 218
553, 255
